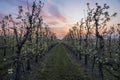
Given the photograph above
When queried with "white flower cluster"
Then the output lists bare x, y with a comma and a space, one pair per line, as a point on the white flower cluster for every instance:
10, 71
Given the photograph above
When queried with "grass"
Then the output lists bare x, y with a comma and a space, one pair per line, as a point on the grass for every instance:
59, 65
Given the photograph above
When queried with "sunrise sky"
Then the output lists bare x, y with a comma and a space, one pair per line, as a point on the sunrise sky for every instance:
60, 15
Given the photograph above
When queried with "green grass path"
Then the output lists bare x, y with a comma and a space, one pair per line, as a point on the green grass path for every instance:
59, 65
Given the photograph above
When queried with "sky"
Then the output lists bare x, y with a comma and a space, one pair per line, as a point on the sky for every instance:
60, 15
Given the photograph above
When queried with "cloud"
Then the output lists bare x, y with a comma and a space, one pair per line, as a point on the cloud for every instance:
52, 19
52, 15
53, 23
54, 11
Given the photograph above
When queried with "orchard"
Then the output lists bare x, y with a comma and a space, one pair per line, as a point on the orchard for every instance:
31, 50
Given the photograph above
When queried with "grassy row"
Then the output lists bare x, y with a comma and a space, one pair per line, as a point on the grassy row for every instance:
61, 66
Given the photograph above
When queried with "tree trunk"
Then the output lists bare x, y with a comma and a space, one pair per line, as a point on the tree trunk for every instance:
36, 58
100, 67
18, 68
110, 47
86, 59
93, 63
80, 56
28, 65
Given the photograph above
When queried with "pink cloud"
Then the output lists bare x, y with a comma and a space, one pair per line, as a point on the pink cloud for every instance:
51, 17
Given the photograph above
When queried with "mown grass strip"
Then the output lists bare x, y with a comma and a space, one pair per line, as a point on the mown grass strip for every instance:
61, 66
